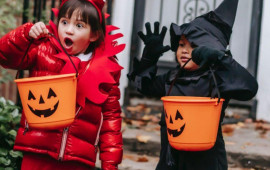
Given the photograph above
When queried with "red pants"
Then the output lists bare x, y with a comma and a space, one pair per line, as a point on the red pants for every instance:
44, 162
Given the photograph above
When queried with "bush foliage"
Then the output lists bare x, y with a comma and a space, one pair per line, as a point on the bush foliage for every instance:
10, 10
9, 123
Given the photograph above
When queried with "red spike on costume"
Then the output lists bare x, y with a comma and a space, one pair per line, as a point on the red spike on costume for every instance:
100, 67
55, 12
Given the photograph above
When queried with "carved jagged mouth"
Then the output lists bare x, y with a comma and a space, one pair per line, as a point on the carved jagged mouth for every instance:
176, 133
45, 113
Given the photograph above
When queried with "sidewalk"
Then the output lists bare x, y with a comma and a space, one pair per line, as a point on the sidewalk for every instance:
247, 142
246, 147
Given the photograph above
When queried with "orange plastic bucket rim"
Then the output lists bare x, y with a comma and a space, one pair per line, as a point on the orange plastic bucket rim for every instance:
192, 122
44, 78
191, 99
49, 102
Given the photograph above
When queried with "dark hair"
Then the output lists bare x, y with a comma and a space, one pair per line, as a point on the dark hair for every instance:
89, 15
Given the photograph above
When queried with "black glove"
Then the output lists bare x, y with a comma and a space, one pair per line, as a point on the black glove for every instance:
153, 43
152, 51
206, 56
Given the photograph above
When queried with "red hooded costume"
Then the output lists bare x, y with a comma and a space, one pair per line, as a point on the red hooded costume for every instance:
98, 121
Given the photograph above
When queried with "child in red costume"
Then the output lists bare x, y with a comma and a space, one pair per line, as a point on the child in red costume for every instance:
81, 31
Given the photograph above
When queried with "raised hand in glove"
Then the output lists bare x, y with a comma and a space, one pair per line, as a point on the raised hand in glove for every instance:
153, 48
206, 56
153, 43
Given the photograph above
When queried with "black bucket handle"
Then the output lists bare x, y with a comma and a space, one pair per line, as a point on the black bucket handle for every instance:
52, 35
210, 89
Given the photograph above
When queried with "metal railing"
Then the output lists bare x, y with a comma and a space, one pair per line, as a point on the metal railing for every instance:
39, 7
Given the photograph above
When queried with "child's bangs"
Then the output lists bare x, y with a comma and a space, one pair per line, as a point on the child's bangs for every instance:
84, 10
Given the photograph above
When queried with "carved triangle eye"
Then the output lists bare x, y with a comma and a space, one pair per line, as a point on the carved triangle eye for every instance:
178, 115
171, 120
31, 96
51, 93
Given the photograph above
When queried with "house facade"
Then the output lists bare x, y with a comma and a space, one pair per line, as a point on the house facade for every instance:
249, 41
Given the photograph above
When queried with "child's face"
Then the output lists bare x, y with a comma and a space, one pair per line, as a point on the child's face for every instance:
74, 34
184, 53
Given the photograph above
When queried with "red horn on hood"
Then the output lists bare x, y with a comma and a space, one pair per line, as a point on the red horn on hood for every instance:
98, 4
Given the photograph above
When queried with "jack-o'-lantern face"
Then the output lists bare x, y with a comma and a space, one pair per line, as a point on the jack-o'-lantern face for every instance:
175, 124
43, 105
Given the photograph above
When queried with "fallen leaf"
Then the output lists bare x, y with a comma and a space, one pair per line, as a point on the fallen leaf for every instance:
263, 133
155, 119
248, 120
143, 138
127, 121
240, 124
131, 157
142, 159
138, 108
123, 127
157, 128
123, 114
146, 117
236, 116
138, 123
229, 143
147, 110
228, 129
248, 144
266, 126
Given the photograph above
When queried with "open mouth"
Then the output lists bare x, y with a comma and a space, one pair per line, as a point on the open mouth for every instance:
46, 112
176, 132
68, 42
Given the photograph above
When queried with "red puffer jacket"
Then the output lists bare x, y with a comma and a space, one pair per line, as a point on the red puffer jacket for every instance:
97, 123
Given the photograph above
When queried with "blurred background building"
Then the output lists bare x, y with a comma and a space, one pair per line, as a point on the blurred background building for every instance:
249, 40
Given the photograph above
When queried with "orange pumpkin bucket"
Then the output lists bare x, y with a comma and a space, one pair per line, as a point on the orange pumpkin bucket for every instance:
49, 102
192, 122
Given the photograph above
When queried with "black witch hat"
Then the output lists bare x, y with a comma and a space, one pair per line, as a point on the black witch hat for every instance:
212, 29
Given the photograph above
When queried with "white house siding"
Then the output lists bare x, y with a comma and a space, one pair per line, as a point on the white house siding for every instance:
239, 44
122, 17
263, 110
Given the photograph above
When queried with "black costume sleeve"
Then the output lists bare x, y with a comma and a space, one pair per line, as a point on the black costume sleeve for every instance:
149, 84
234, 81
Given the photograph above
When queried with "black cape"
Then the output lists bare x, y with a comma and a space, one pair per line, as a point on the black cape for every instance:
234, 82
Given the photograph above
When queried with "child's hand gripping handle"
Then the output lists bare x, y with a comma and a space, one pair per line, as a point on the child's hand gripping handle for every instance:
52, 35
206, 56
38, 30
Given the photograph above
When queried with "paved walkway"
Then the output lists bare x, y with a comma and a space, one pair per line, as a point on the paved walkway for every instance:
247, 144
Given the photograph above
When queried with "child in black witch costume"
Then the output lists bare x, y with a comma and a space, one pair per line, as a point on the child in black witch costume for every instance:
204, 40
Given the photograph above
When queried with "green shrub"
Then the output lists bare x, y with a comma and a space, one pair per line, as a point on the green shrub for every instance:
9, 124
9, 12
